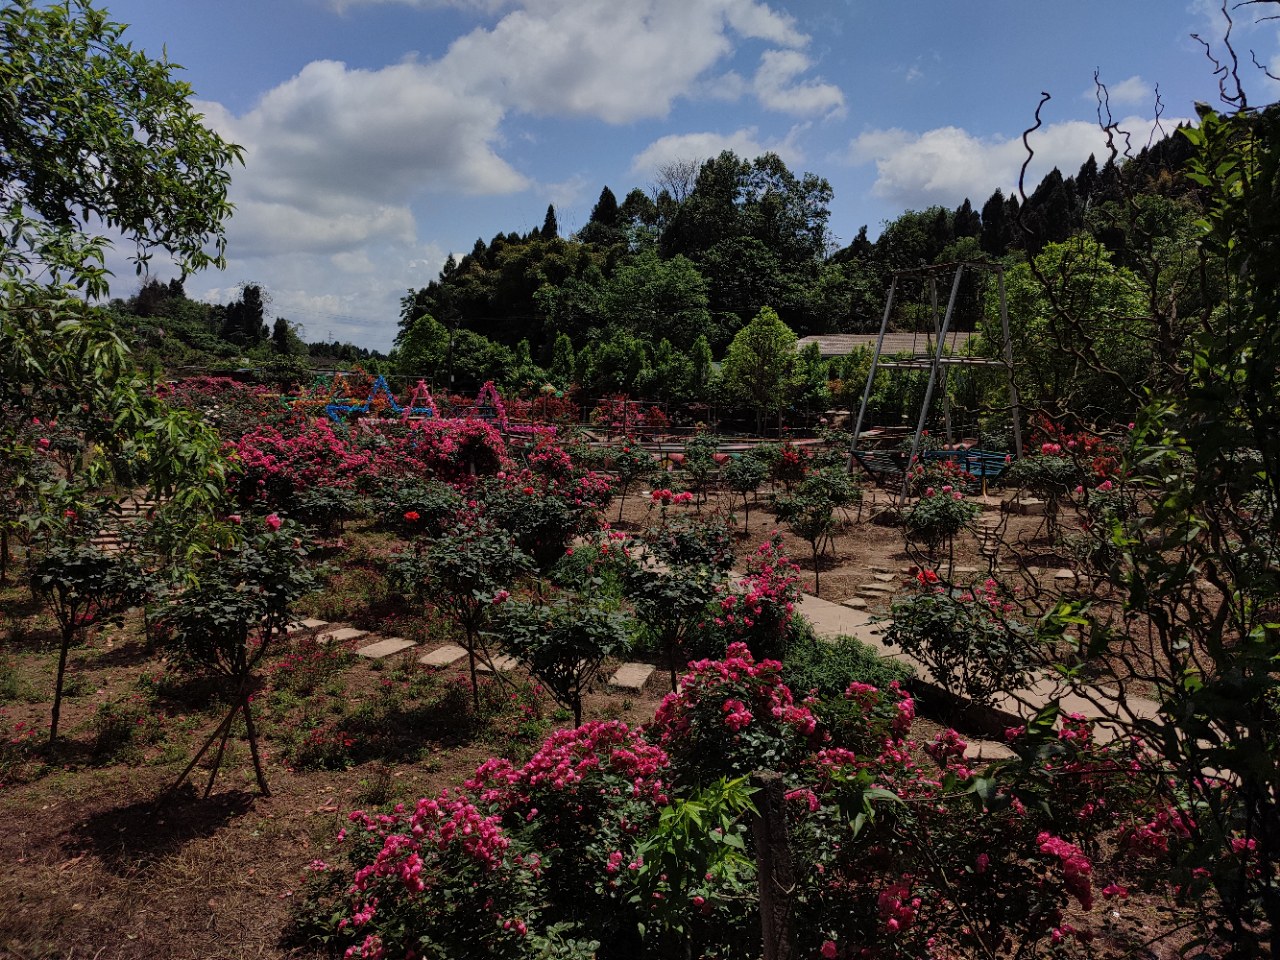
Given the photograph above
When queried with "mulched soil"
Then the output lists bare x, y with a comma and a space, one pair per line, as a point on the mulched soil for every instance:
93, 866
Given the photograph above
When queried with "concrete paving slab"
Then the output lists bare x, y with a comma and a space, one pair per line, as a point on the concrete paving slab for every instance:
500, 664
854, 603
341, 635
385, 648
631, 676
443, 656
987, 751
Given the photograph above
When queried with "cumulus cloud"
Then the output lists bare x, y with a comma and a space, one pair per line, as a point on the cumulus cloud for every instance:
623, 62
341, 163
1134, 92
776, 86
702, 146
947, 164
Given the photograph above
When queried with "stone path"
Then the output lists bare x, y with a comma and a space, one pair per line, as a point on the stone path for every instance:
829, 620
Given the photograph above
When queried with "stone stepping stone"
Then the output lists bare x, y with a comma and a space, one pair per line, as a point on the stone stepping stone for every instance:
966, 570
311, 623
1065, 574
631, 676
443, 656
499, 664
988, 751
877, 588
877, 568
341, 635
886, 578
385, 648
854, 603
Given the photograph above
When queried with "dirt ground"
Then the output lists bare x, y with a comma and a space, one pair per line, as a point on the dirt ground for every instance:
92, 866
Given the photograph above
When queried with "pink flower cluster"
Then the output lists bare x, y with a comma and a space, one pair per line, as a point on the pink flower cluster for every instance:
1077, 869
578, 766
666, 497
705, 722
314, 456
896, 907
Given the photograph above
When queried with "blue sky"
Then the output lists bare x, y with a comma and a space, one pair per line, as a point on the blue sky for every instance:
380, 135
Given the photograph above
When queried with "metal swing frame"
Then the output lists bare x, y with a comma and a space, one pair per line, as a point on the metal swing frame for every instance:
937, 362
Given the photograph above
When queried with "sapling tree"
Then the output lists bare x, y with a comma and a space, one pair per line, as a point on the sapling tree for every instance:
744, 475
467, 573
237, 607
631, 463
671, 601
82, 585
937, 518
563, 644
810, 511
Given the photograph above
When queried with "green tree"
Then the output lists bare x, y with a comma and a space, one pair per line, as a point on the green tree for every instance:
1081, 330
562, 362
759, 368
92, 129
657, 299
550, 225
422, 348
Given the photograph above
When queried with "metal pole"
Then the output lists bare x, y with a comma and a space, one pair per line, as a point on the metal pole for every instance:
1008, 362
933, 379
871, 374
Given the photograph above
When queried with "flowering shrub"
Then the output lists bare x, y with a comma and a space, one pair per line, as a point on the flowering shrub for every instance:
1096, 453
451, 450
810, 511
583, 799
234, 408
272, 466
544, 516
686, 540
970, 639
758, 612
467, 573
938, 516
642, 846
618, 414
443, 880
790, 465
731, 716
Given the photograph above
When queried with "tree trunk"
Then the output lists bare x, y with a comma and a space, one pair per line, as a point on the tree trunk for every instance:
252, 734
68, 634
475, 686
774, 867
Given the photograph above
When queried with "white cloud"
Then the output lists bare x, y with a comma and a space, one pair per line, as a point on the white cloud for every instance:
1134, 92
568, 192
703, 146
621, 62
341, 163
777, 90
947, 164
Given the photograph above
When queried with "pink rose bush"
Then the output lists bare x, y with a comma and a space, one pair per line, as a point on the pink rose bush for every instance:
732, 716
629, 843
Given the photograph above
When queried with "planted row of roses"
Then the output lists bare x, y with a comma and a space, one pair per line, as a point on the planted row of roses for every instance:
618, 842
